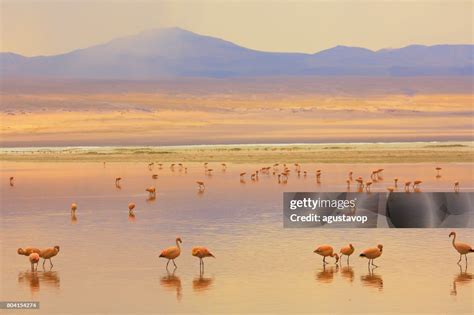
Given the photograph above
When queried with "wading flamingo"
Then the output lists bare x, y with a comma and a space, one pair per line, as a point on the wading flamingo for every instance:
325, 251
131, 206
201, 252
27, 251
395, 181
416, 184
49, 253
151, 190
367, 186
407, 186
347, 250
201, 185
34, 259
462, 248
456, 186
73, 207
117, 181
437, 171
171, 253
242, 174
154, 176
372, 253
350, 175
12, 181
390, 189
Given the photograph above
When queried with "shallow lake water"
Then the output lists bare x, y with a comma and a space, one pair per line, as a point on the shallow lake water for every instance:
108, 262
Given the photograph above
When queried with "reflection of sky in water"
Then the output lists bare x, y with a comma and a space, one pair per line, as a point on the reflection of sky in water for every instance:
112, 262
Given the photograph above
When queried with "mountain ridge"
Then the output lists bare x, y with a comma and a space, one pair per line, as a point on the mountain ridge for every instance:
175, 52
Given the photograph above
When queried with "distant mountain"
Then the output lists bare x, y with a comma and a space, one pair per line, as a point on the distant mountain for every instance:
174, 52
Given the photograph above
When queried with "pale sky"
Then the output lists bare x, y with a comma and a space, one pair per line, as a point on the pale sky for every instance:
51, 27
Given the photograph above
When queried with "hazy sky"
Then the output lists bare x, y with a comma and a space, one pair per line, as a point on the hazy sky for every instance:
52, 27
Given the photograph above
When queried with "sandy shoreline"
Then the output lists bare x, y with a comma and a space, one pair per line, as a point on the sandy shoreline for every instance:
418, 152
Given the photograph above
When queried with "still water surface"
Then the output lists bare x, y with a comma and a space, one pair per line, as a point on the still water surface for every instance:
109, 263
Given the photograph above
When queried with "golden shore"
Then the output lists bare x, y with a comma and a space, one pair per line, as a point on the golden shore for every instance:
303, 153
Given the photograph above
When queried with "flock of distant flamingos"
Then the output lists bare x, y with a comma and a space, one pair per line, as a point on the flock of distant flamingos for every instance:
171, 253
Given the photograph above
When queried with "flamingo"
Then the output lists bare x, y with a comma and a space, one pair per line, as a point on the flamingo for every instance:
372, 253
151, 190
12, 179
154, 176
462, 248
407, 186
367, 186
131, 206
437, 170
201, 252
350, 175
224, 166
416, 184
34, 259
325, 251
347, 250
49, 253
456, 186
395, 181
27, 251
390, 189
73, 207
171, 253
348, 182
242, 174
201, 185
117, 181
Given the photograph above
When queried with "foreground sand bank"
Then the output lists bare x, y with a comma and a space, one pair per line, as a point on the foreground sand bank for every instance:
322, 153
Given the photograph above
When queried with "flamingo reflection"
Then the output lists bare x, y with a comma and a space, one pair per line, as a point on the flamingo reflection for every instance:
347, 272
172, 282
372, 280
327, 274
462, 279
202, 283
36, 279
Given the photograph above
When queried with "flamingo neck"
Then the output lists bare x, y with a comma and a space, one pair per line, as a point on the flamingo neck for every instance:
454, 240
177, 244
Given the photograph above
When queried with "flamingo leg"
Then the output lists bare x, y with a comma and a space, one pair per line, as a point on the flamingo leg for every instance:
348, 260
44, 260
174, 264
167, 263
324, 260
373, 263
460, 256
465, 256
51, 263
